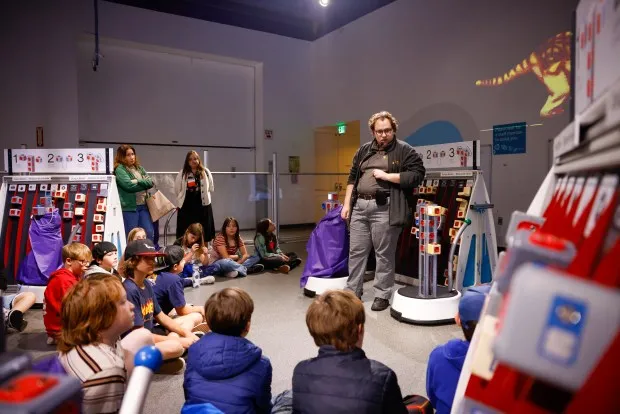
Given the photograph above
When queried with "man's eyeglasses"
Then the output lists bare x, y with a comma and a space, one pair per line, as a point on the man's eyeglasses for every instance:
83, 262
386, 131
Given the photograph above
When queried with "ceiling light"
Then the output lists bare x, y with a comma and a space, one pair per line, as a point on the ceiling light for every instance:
324, 3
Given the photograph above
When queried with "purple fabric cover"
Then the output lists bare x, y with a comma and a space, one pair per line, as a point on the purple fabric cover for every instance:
46, 254
49, 365
328, 248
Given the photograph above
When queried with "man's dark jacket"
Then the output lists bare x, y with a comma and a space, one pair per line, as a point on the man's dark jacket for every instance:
338, 382
402, 159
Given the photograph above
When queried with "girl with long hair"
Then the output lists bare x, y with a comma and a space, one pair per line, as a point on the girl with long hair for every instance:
268, 248
230, 253
193, 187
197, 258
133, 183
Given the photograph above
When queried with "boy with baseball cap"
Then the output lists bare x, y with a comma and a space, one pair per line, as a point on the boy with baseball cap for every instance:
168, 290
139, 263
446, 361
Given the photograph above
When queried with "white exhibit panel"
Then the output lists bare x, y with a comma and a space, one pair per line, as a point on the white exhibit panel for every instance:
43, 211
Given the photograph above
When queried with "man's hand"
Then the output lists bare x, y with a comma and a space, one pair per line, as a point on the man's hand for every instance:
379, 174
345, 212
284, 257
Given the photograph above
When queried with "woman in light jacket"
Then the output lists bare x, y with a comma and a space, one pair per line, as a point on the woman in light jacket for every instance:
193, 187
133, 182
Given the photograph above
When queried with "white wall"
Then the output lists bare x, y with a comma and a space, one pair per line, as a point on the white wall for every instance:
40, 39
158, 96
420, 59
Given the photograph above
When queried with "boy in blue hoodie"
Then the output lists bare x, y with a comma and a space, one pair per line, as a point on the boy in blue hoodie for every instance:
223, 368
446, 361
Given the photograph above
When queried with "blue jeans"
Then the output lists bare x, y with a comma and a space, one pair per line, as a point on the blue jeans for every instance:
139, 218
228, 265
252, 260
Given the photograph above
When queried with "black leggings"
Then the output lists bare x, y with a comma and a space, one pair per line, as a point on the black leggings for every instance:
277, 261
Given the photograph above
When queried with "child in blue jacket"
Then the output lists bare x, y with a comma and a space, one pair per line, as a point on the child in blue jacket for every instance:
446, 361
223, 368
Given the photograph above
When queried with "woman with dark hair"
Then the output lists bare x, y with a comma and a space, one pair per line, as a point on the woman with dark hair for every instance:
193, 187
230, 253
133, 183
268, 248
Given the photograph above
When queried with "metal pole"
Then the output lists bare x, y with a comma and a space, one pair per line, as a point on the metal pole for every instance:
205, 158
425, 288
434, 258
275, 191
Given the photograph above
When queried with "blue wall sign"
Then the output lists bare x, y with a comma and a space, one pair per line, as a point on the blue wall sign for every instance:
509, 138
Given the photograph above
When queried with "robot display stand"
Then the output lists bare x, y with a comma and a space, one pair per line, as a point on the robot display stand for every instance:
316, 285
74, 184
451, 245
548, 339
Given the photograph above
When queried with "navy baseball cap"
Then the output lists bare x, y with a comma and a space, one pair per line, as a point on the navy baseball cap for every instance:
174, 255
472, 302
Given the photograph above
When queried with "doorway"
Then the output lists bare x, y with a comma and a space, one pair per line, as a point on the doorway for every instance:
334, 148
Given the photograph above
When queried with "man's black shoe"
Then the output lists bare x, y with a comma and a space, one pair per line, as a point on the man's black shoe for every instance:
380, 304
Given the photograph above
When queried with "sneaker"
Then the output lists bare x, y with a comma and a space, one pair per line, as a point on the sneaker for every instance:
51, 341
172, 366
15, 320
283, 269
294, 263
232, 274
257, 268
201, 328
207, 280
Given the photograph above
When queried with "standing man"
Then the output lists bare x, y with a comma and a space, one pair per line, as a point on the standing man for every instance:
379, 190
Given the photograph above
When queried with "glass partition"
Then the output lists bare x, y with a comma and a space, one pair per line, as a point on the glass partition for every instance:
244, 195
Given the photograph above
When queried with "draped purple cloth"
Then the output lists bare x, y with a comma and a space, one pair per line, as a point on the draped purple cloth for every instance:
46, 254
328, 248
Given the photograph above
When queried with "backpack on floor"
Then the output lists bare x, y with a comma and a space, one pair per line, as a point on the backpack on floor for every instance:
328, 248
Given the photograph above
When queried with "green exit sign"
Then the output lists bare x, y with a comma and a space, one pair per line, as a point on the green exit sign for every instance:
342, 129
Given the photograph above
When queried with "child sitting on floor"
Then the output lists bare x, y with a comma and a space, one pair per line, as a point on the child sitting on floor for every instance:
446, 361
196, 257
266, 244
76, 258
223, 368
341, 379
105, 260
140, 262
95, 312
168, 290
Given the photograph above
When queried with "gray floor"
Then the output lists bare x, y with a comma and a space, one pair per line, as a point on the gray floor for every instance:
278, 327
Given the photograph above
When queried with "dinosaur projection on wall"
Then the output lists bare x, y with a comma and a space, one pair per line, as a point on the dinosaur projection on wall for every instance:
551, 63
